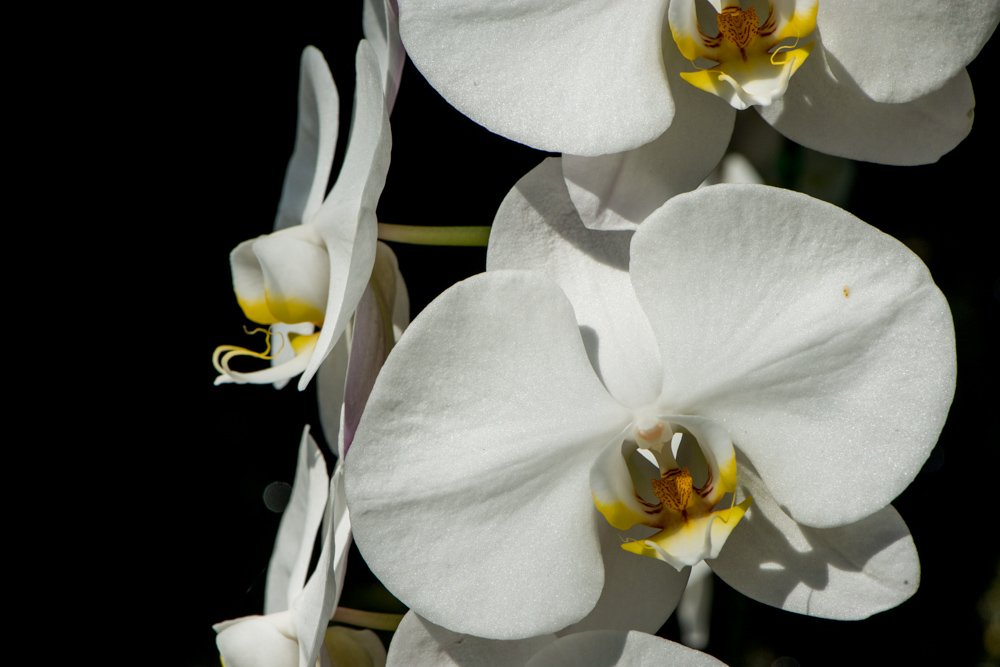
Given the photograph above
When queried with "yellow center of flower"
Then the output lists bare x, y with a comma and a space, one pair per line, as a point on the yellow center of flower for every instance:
674, 489
748, 61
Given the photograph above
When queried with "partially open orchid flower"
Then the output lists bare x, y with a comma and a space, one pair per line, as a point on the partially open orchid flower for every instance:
751, 377
302, 282
878, 81
420, 643
293, 630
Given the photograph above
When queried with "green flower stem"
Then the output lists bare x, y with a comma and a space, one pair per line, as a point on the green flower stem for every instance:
426, 235
367, 619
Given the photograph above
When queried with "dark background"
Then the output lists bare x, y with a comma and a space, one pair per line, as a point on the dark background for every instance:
227, 99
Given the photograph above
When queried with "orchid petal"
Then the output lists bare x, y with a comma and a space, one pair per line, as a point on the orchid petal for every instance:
331, 380
824, 109
849, 572
257, 641
373, 337
312, 608
538, 228
346, 222
380, 20
419, 643
900, 50
639, 593
614, 648
478, 481
293, 545
579, 76
315, 141
618, 191
768, 302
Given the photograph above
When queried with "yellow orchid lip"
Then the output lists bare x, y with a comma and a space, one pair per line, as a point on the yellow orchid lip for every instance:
692, 503
749, 60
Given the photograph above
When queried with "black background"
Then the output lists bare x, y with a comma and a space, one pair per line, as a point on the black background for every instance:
225, 110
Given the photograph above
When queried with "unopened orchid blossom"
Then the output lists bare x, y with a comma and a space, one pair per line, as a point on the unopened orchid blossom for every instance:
420, 643
620, 87
311, 272
293, 630
750, 378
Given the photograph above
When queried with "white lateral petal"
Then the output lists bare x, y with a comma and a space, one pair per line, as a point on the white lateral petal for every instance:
824, 110
618, 191
373, 337
419, 643
312, 608
899, 50
293, 545
330, 386
538, 228
639, 593
616, 648
347, 221
846, 573
578, 76
380, 20
257, 641
470, 466
315, 141
820, 344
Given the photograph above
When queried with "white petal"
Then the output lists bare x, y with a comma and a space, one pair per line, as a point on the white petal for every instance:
899, 50
847, 573
281, 350
694, 612
639, 593
537, 228
293, 545
618, 191
257, 641
380, 20
820, 344
614, 648
373, 337
419, 643
578, 76
346, 221
470, 466
823, 109
331, 380
312, 608
315, 141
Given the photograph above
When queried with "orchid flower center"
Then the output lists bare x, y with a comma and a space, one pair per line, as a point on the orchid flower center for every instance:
742, 58
281, 282
676, 478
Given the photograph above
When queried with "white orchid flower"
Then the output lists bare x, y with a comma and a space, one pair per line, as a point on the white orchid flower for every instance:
420, 643
293, 630
804, 359
312, 270
885, 81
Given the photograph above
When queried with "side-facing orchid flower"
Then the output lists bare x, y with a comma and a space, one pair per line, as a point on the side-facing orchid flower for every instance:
313, 269
420, 643
293, 630
745, 342
885, 81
